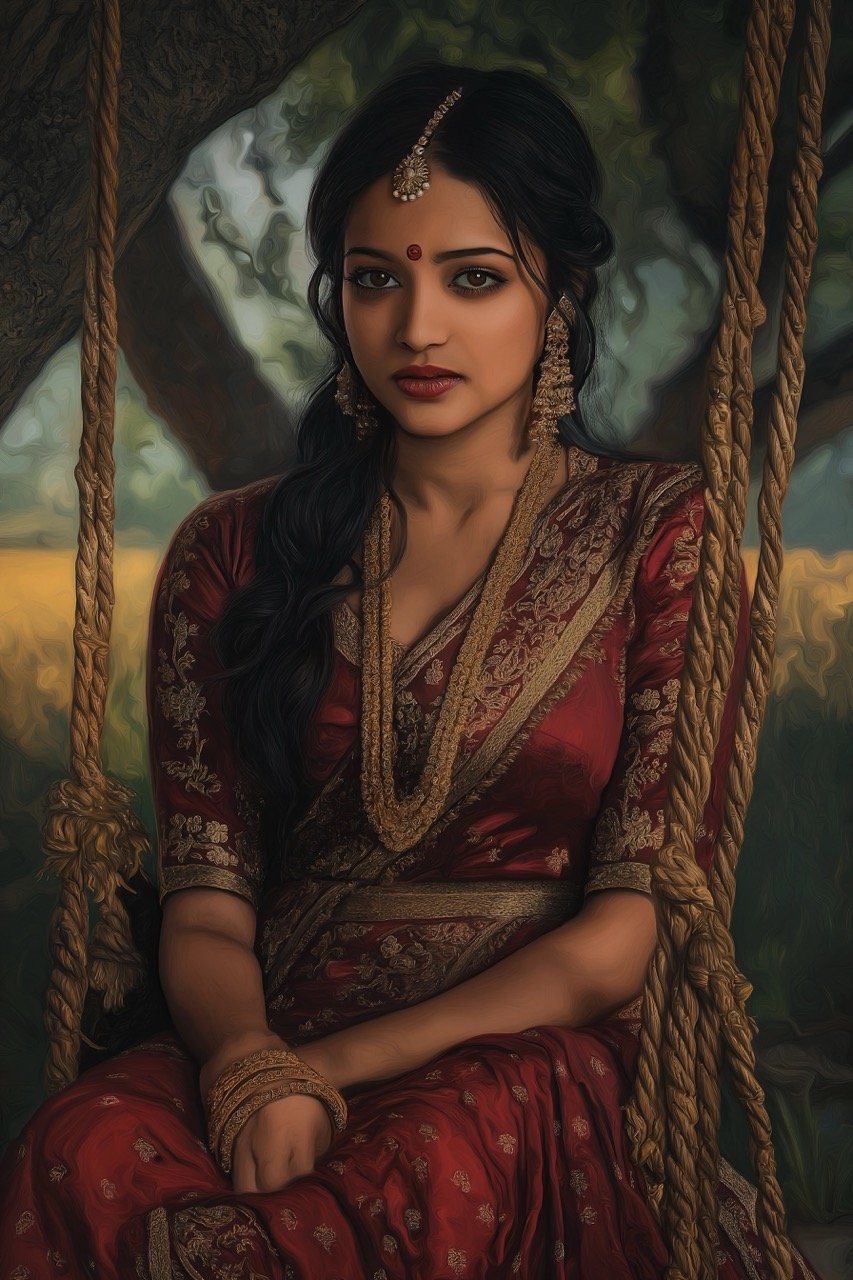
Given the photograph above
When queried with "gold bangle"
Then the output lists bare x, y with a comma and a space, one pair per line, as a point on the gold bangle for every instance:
243, 1068
250, 1083
263, 1078
327, 1093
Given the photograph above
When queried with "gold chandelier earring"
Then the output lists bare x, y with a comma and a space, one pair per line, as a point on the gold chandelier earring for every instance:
355, 403
555, 396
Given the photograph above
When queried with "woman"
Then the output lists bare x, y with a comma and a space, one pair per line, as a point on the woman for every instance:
410, 711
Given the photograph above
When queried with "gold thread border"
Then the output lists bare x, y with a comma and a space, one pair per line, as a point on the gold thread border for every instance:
172, 878
620, 875
159, 1245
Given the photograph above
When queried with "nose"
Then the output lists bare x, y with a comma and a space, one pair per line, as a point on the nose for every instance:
422, 320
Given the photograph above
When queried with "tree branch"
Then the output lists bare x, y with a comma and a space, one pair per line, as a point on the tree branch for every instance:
185, 70
194, 374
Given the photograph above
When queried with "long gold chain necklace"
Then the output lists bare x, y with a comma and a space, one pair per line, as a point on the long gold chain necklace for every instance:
400, 822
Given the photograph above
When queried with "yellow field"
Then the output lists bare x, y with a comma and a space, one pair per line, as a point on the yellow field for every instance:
35, 654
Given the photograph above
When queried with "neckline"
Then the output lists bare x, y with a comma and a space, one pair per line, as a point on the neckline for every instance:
348, 630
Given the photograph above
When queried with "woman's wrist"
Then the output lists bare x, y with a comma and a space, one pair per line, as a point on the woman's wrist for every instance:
229, 1050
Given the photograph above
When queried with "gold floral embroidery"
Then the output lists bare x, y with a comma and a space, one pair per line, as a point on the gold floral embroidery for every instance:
325, 1236
580, 1126
434, 673
507, 1143
413, 1219
557, 859
457, 1260
180, 698
192, 837
520, 1093
206, 1234
460, 1179
145, 1151
683, 563
625, 828
485, 1213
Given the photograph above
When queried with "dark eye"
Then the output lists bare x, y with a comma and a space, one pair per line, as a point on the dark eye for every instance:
478, 280
365, 278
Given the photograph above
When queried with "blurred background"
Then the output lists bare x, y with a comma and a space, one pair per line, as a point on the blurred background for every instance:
222, 130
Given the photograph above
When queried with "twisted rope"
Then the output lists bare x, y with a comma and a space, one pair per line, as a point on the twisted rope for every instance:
694, 963
92, 839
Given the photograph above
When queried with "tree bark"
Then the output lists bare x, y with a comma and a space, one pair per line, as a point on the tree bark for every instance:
185, 70
191, 369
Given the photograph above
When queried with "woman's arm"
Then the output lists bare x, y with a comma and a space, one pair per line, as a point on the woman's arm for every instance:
571, 976
211, 978
212, 982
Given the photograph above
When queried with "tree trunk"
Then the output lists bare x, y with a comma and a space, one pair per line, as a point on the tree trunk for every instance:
185, 70
192, 371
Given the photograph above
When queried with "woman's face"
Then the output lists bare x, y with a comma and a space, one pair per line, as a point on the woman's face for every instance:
465, 304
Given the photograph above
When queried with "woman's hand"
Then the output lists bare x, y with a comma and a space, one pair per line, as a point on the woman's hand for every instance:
280, 1142
284, 1139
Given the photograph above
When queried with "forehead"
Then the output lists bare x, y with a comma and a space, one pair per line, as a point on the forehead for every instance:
450, 211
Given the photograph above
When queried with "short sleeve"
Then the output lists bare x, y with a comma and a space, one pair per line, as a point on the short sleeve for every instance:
629, 827
206, 818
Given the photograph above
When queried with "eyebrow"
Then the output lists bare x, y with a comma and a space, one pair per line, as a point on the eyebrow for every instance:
437, 257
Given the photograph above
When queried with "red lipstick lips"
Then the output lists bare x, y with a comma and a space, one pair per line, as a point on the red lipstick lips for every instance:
425, 371
425, 381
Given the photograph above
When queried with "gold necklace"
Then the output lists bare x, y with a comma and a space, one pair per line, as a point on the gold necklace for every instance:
400, 822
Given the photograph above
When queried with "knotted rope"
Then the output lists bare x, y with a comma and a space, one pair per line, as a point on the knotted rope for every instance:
694, 1015
92, 838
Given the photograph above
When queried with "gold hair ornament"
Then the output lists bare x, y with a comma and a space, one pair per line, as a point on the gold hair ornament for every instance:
411, 176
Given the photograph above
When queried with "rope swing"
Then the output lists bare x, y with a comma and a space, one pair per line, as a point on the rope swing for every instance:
694, 1020
694, 1008
92, 838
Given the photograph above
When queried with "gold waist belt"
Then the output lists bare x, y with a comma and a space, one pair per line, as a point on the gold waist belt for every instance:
441, 899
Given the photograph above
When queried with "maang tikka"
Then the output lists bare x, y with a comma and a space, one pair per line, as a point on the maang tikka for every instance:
555, 396
411, 176
411, 179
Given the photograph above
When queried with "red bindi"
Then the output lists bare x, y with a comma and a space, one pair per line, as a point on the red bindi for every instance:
414, 251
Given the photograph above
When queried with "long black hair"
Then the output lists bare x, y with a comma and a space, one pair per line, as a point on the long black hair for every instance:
526, 151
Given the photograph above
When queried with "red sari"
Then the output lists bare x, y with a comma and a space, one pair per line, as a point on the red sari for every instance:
505, 1156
